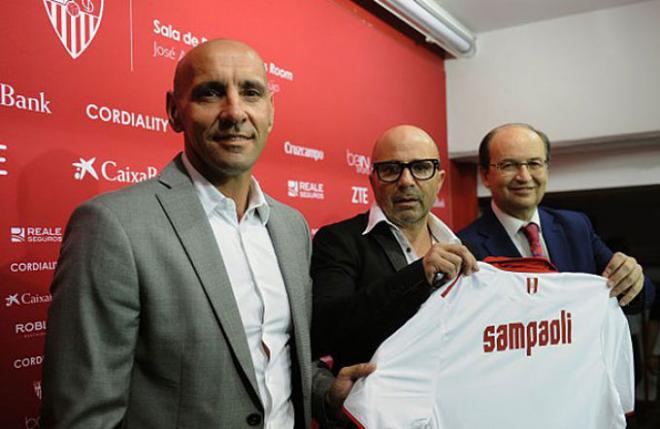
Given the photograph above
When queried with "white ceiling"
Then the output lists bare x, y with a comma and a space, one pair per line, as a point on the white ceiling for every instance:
486, 15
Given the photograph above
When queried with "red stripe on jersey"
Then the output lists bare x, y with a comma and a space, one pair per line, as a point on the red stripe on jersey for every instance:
353, 419
450, 287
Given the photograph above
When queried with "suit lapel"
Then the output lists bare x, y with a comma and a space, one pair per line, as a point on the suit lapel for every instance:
496, 241
386, 240
183, 208
555, 240
288, 259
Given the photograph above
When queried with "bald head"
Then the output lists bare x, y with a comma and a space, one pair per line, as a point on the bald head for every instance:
222, 51
404, 140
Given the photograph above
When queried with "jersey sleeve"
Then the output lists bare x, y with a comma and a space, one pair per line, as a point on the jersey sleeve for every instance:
399, 393
392, 408
618, 354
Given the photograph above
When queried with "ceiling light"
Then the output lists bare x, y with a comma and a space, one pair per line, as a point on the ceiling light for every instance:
435, 23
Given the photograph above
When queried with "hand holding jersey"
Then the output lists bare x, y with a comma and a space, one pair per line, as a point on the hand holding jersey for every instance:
450, 260
343, 384
625, 277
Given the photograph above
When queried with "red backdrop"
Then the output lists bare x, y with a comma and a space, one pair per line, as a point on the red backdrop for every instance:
82, 97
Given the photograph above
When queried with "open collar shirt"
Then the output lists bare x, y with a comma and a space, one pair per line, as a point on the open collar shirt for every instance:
440, 233
258, 286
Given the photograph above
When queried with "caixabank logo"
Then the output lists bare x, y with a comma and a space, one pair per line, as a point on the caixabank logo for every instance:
110, 171
27, 298
75, 22
32, 422
12, 99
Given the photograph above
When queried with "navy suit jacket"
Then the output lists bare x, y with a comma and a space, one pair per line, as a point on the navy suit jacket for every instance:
572, 243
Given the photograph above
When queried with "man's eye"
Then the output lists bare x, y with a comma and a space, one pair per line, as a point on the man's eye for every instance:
422, 167
535, 165
208, 93
251, 92
389, 169
507, 165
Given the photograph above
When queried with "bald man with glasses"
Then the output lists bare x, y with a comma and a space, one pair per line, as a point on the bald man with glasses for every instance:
372, 272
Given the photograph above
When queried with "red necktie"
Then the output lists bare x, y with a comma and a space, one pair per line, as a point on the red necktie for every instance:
531, 231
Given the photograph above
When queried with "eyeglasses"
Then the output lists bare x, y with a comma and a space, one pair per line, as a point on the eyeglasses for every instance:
391, 171
512, 167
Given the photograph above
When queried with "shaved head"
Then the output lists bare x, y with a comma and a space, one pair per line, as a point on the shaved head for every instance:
404, 136
231, 49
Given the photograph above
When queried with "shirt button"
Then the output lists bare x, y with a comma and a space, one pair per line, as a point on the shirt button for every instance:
253, 419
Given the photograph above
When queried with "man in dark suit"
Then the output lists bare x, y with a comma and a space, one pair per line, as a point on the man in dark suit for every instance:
185, 301
373, 271
514, 164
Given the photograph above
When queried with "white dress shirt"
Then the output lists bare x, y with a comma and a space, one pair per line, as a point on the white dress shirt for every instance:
440, 233
513, 227
256, 280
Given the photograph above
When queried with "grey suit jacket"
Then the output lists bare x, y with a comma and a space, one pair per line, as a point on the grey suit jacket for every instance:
144, 331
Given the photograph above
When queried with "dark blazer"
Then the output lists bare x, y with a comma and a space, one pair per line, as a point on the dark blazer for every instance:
572, 243
364, 290
144, 330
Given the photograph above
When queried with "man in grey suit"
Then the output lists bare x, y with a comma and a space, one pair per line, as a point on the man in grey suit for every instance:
184, 301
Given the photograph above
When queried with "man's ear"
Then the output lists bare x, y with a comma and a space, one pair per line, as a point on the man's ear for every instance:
173, 112
441, 178
483, 172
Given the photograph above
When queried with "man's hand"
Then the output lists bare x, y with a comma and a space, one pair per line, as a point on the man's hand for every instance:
342, 385
449, 259
625, 277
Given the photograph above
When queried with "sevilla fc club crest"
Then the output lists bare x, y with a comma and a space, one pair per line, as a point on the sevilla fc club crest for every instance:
75, 22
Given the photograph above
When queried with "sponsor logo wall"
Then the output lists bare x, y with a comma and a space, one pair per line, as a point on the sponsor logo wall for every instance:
82, 91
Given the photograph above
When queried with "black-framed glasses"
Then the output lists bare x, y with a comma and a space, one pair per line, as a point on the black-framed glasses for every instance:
510, 166
421, 169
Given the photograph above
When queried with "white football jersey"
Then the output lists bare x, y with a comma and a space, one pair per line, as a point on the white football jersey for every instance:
501, 349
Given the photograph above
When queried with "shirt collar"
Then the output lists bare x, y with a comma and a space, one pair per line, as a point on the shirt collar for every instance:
212, 199
512, 224
439, 230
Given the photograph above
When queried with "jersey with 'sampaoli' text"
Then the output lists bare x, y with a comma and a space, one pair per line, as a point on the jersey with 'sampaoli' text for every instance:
501, 349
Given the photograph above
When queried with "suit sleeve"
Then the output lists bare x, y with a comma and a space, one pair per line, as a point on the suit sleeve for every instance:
602, 255
356, 314
92, 324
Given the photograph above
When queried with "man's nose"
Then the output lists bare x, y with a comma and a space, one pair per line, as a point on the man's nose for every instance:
523, 174
406, 178
232, 110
